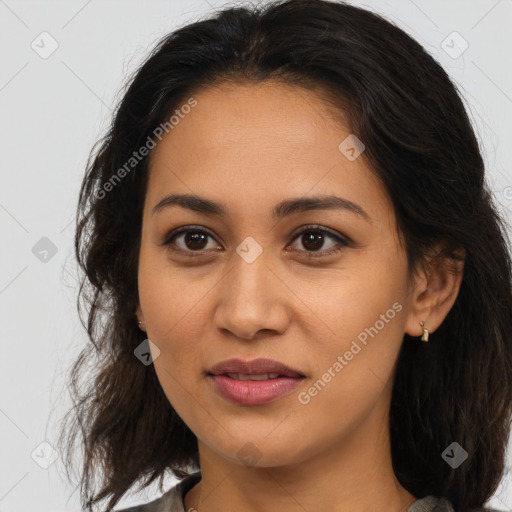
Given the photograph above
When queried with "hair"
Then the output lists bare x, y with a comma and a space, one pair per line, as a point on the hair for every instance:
419, 143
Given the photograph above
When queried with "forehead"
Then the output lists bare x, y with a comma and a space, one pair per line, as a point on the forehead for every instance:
267, 114
253, 144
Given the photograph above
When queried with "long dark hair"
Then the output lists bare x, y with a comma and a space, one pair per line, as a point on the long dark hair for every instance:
419, 142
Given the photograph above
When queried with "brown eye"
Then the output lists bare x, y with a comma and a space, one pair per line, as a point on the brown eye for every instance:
189, 239
195, 240
314, 238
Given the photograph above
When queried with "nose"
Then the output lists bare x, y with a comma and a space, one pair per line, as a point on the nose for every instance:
252, 300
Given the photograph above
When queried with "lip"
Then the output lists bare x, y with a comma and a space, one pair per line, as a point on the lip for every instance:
254, 367
253, 392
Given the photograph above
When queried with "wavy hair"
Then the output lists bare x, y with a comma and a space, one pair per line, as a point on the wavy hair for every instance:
419, 142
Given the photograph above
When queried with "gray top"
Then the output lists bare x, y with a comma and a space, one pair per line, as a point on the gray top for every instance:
172, 500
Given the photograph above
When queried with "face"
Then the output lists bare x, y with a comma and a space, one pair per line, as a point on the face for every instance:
322, 290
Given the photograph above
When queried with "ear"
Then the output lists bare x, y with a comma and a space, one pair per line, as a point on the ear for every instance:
140, 318
435, 289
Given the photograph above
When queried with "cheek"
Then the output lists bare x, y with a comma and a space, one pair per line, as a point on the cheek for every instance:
357, 299
176, 318
366, 316
173, 300
354, 364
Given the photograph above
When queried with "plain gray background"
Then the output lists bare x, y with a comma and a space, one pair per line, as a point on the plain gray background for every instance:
54, 107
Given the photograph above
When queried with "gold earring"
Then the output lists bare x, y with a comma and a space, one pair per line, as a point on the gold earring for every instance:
425, 332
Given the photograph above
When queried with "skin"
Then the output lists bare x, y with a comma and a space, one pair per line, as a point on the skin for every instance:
250, 147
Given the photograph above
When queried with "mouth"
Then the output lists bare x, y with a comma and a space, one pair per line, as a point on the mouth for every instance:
254, 368
255, 376
254, 382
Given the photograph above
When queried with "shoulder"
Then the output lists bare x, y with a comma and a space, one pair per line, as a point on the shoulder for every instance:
485, 509
170, 501
433, 504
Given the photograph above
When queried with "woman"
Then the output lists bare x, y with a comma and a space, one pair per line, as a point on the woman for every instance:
298, 286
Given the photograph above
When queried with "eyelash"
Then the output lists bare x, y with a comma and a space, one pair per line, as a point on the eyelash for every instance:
307, 229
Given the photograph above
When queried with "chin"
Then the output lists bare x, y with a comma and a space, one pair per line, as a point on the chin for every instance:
259, 452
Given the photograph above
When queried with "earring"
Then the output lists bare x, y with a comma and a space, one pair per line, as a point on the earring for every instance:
425, 332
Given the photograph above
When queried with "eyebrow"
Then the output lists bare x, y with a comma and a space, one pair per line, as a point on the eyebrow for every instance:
281, 210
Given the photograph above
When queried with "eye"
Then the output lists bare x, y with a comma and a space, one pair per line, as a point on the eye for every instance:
313, 239
189, 239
